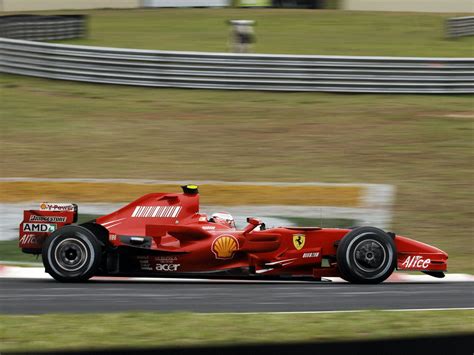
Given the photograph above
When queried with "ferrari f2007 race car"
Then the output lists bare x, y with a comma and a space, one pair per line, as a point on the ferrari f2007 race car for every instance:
163, 234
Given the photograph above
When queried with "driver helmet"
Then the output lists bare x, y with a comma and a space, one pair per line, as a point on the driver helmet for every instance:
223, 218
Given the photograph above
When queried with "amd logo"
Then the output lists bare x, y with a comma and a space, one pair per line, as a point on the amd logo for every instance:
39, 227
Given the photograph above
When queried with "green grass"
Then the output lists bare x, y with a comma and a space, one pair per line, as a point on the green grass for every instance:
288, 31
421, 144
142, 330
9, 251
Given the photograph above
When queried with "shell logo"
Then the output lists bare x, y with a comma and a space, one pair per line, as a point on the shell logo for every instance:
43, 206
225, 246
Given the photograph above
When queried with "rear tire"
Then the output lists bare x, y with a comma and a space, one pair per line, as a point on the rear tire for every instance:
366, 255
72, 254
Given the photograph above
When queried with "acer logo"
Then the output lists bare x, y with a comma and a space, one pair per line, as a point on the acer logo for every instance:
416, 262
167, 267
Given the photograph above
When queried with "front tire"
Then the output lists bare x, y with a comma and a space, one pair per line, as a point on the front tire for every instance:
366, 255
72, 254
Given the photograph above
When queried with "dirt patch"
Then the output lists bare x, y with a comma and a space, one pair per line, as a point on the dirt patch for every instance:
225, 195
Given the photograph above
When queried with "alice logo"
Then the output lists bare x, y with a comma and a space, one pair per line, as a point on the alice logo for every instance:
225, 246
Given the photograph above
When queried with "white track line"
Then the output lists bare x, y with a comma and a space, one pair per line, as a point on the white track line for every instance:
347, 311
431, 309
39, 273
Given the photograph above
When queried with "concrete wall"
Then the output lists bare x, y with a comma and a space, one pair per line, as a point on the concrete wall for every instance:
38, 5
409, 5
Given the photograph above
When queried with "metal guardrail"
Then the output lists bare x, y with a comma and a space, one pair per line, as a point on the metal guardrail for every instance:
237, 71
460, 26
43, 28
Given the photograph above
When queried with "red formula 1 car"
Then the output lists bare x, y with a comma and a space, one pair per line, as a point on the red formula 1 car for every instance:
163, 234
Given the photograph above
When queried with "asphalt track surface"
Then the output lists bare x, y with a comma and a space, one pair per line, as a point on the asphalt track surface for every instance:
36, 296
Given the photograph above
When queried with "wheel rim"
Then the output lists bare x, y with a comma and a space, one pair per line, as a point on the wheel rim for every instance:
369, 255
71, 254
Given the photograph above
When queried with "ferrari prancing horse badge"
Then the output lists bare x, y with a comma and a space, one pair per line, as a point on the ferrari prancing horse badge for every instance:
298, 241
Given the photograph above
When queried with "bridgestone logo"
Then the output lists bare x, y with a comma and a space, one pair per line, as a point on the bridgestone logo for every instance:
52, 219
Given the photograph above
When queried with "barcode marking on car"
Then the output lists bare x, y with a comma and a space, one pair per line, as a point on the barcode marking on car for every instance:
156, 211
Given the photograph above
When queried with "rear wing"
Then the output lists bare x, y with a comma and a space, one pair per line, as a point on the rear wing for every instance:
37, 225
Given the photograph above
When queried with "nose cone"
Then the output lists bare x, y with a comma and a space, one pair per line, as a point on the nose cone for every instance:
410, 245
415, 255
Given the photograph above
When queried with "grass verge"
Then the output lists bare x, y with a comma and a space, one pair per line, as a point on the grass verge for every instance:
9, 251
46, 332
290, 31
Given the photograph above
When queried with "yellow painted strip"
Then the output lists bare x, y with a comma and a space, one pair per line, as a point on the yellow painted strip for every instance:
225, 195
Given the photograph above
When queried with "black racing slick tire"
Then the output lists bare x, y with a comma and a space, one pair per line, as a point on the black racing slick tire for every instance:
72, 254
366, 255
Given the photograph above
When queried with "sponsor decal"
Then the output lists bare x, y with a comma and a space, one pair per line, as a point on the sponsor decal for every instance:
57, 206
53, 219
30, 239
144, 263
298, 241
158, 263
39, 227
166, 259
209, 228
112, 237
416, 262
224, 246
156, 211
202, 219
310, 255
167, 267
